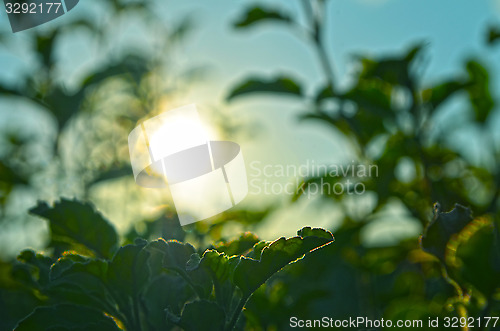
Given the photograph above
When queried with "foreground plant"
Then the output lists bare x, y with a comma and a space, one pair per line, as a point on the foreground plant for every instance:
146, 285
468, 251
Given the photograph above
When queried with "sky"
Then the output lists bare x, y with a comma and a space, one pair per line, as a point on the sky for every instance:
453, 30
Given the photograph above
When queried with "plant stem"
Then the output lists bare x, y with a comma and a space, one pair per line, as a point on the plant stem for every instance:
237, 312
188, 280
318, 42
137, 316
485, 312
462, 310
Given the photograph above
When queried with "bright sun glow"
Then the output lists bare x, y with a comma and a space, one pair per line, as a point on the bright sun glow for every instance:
175, 131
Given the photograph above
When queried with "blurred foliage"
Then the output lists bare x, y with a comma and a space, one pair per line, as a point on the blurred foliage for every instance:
387, 117
90, 277
133, 76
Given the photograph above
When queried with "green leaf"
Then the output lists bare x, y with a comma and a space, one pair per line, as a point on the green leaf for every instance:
479, 256
220, 267
156, 254
128, 271
181, 30
177, 255
62, 104
250, 273
365, 110
442, 228
178, 258
324, 93
45, 47
65, 263
133, 66
281, 85
373, 97
111, 174
9, 90
200, 315
82, 282
16, 300
258, 15
9, 175
479, 91
393, 70
343, 124
493, 35
165, 292
314, 232
79, 223
238, 246
256, 251
438, 94
34, 270
65, 104
66, 317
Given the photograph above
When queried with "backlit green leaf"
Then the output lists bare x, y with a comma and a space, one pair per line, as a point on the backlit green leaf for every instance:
250, 273
76, 222
238, 246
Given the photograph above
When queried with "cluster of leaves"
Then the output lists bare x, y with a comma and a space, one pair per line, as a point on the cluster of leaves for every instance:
126, 74
86, 280
386, 107
469, 251
387, 117
156, 285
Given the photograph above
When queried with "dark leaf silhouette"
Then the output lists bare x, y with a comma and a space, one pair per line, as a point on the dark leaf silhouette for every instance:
75, 222
67, 317
128, 272
442, 228
258, 15
45, 47
110, 174
130, 65
200, 315
440, 93
493, 35
81, 281
250, 273
479, 90
238, 246
325, 92
479, 256
34, 270
281, 85
396, 71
